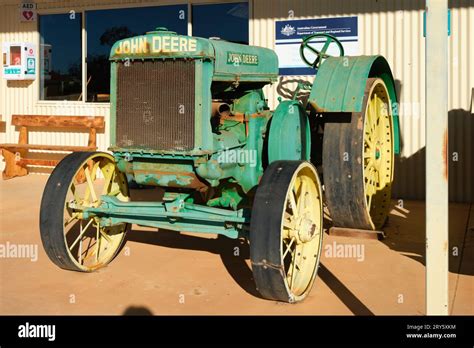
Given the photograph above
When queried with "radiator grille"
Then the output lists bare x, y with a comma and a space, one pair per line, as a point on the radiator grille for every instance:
155, 105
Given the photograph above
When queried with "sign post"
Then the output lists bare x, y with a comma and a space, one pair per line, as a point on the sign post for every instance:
437, 246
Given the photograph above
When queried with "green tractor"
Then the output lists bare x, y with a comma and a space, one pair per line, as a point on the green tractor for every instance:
189, 115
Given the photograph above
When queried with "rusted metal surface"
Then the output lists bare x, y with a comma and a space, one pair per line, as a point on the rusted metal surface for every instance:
235, 117
356, 233
155, 105
242, 118
171, 179
166, 173
160, 153
220, 109
316, 107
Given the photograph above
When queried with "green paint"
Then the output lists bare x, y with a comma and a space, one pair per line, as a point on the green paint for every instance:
257, 63
177, 215
164, 180
230, 198
252, 102
161, 173
228, 155
290, 134
340, 84
231, 157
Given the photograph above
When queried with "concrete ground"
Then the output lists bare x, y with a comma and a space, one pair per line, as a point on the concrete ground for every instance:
171, 273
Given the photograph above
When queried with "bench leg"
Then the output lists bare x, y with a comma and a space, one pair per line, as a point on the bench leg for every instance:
12, 168
81, 175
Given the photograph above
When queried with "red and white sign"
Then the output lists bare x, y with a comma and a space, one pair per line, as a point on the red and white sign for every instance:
28, 12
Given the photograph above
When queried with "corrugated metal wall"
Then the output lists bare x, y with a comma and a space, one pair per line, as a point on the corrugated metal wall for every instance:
393, 28
461, 86
21, 97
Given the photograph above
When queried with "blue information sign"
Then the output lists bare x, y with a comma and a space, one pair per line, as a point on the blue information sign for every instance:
290, 33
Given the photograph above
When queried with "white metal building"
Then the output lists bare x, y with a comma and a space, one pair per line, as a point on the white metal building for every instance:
392, 28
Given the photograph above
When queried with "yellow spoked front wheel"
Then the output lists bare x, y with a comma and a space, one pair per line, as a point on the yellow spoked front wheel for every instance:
78, 182
358, 162
286, 230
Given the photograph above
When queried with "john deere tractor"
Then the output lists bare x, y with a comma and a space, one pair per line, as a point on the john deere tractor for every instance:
189, 115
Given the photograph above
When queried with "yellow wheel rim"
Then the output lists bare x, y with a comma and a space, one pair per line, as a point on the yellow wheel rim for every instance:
378, 154
302, 228
89, 245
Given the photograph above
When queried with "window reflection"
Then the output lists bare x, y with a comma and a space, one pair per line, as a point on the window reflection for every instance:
60, 57
229, 22
105, 27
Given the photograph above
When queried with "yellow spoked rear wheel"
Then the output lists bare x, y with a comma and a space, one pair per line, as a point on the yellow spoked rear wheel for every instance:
378, 154
79, 181
358, 162
286, 231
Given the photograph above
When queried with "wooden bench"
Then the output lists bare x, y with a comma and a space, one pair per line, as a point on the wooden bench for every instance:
15, 155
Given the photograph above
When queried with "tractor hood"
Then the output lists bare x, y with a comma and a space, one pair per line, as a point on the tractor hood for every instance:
231, 61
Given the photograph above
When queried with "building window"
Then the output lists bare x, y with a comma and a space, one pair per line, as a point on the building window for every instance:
105, 27
228, 22
60, 57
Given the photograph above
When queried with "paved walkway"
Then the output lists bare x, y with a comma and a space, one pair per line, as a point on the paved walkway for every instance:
172, 273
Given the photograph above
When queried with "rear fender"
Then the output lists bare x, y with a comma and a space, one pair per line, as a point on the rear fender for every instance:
340, 82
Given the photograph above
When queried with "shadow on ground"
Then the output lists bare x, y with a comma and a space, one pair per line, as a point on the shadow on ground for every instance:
233, 252
405, 229
236, 265
406, 234
137, 311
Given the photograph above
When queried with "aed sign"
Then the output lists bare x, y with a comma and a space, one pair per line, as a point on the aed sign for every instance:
28, 12
156, 45
19, 61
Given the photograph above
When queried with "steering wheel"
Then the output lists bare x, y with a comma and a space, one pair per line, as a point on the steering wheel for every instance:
320, 54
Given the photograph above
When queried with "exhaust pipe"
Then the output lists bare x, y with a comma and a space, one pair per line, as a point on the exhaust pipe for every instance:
220, 109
